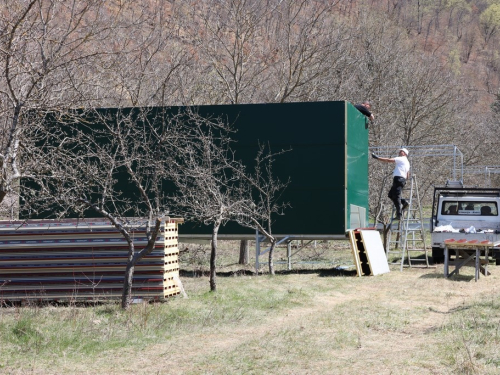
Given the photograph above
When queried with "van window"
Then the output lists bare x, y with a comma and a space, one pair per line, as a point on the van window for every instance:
469, 208
449, 208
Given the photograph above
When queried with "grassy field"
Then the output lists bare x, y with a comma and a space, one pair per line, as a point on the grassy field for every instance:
318, 318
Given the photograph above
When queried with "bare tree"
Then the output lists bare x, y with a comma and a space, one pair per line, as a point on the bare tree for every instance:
151, 56
272, 51
229, 39
263, 201
208, 191
308, 44
49, 51
214, 188
109, 163
415, 99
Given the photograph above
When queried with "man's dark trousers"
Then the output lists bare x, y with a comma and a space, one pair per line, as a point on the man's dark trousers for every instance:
395, 193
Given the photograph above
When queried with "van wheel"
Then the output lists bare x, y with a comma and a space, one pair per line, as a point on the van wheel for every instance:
437, 255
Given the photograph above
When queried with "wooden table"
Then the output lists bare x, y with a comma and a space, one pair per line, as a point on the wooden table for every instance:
468, 253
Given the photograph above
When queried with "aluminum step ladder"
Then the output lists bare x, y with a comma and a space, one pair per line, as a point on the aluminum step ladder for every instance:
407, 236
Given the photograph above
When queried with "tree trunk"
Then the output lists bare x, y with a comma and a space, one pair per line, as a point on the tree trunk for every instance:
271, 258
213, 256
243, 252
133, 258
127, 284
385, 231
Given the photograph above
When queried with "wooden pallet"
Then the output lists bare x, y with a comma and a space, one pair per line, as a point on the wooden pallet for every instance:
368, 252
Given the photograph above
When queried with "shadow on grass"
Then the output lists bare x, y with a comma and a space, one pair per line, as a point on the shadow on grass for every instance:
416, 262
321, 272
459, 277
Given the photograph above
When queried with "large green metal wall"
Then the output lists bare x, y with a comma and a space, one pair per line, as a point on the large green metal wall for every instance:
327, 162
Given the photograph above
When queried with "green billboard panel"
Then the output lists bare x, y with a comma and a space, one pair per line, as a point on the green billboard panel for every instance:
327, 161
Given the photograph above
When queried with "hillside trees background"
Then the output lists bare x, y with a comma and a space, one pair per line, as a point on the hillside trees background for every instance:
430, 68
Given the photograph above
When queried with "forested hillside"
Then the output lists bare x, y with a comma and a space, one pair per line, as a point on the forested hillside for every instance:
429, 67
464, 36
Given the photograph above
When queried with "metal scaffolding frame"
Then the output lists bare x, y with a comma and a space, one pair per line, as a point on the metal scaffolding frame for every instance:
457, 169
486, 170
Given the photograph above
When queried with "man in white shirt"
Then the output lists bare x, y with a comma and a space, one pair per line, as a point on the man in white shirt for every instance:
400, 175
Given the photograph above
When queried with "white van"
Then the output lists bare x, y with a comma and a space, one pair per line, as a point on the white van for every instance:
464, 213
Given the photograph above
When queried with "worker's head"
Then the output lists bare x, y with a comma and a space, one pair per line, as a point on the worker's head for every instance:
367, 104
404, 150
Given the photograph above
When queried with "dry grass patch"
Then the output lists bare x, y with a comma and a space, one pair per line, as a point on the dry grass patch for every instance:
306, 321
